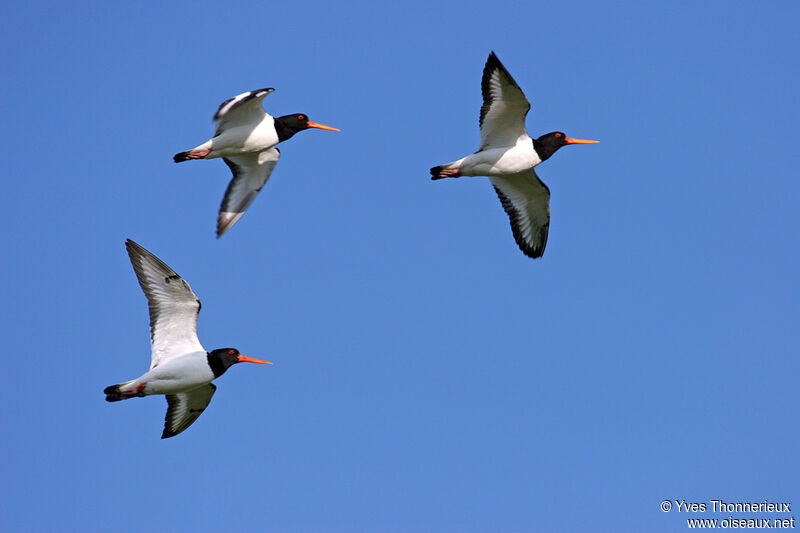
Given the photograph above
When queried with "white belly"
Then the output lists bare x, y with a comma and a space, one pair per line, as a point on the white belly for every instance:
500, 161
246, 138
178, 375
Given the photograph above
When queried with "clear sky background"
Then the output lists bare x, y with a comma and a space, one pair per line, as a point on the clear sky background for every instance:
428, 376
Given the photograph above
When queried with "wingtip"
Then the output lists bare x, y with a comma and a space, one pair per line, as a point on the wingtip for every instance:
134, 248
225, 221
533, 254
222, 229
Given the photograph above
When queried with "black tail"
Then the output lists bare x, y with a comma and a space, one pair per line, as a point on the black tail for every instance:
113, 393
181, 157
435, 173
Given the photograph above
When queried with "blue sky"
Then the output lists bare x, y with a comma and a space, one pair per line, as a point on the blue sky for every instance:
428, 376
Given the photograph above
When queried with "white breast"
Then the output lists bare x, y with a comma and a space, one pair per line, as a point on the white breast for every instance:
179, 374
501, 161
243, 139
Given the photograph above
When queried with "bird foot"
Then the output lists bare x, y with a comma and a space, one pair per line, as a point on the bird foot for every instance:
450, 173
139, 391
198, 155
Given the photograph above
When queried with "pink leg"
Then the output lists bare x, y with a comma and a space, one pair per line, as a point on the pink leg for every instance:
198, 155
137, 392
450, 172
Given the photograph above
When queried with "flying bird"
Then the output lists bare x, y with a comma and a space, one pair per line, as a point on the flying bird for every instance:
180, 367
246, 138
507, 156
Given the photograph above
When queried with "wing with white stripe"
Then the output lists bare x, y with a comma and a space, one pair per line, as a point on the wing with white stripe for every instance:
250, 172
504, 106
527, 202
245, 108
173, 306
184, 408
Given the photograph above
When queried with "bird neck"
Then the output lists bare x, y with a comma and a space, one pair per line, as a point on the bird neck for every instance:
218, 364
544, 150
283, 130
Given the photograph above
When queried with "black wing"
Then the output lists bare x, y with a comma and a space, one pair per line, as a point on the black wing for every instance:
527, 202
250, 172
184, 408
173, 306
242, 109
504, 108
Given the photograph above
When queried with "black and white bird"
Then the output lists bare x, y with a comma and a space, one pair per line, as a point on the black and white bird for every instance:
245, 137
180, 367
507, 156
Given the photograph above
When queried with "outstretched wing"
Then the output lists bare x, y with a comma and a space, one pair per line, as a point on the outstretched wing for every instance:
173, 306
504, 106
250, 172
242, 109
184, 408
527, 202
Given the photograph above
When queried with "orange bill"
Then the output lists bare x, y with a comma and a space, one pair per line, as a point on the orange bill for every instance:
579, 141
322, 126
245, 359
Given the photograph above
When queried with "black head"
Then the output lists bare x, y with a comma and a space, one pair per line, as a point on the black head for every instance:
288, 125
547, 144
222, 359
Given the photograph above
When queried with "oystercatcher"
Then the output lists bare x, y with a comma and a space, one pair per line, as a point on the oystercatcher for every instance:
507, 156
245, 137
180, 367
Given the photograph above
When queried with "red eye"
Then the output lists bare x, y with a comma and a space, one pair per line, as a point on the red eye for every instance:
558, 135
301, 117
230, 352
